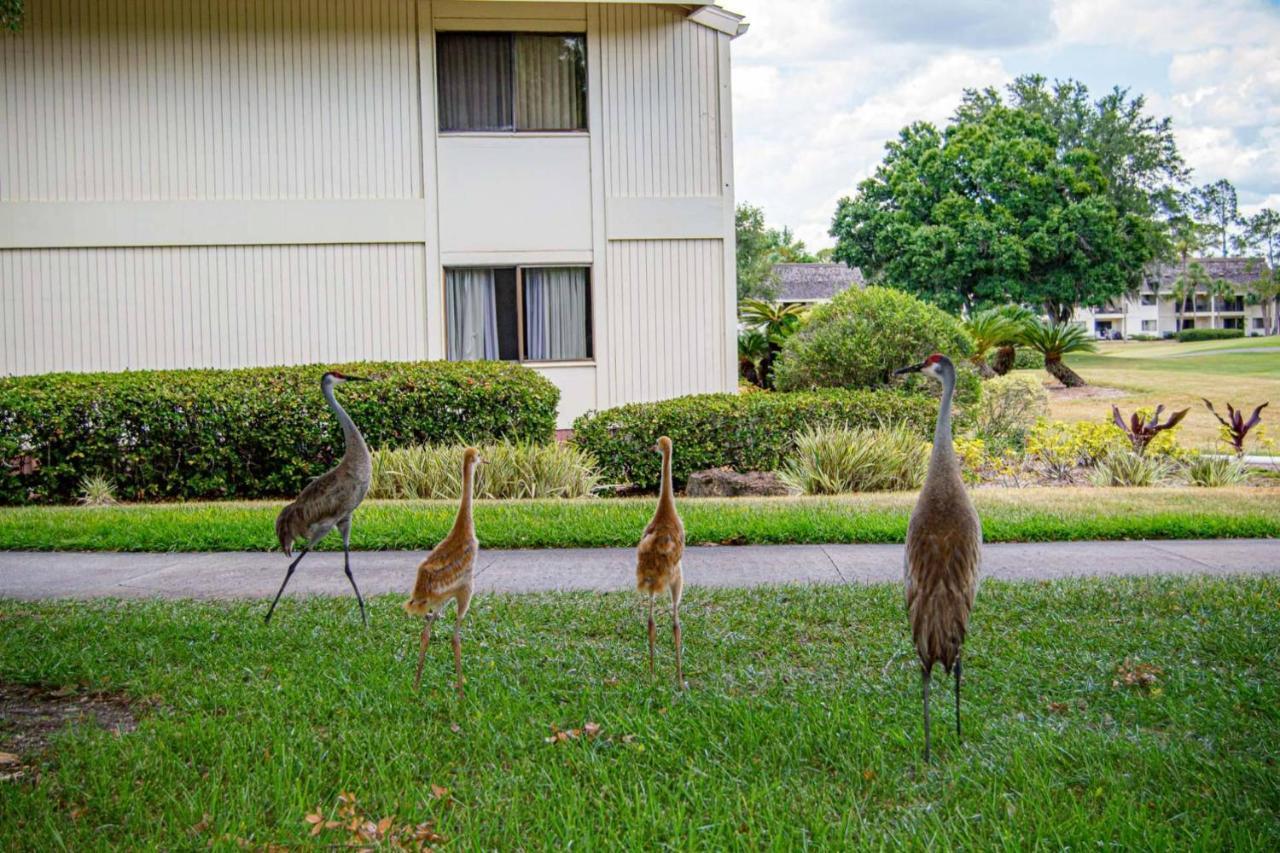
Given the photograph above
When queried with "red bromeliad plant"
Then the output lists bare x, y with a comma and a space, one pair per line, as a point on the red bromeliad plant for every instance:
1237, 427
1141, 432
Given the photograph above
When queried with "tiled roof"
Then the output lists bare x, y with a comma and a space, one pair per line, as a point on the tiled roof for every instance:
805, 282
1236, 270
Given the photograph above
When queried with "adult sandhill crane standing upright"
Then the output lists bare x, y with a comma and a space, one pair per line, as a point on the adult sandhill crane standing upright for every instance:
944, 549
446, 573
329, 499
658, 558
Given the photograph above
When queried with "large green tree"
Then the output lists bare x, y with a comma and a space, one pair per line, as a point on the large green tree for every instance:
1216, 208
1262, 234
759, 248
1041, 195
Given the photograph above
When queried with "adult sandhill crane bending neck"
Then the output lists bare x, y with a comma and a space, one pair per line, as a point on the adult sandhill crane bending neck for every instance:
446, 573
658, 558
329, 500
944, 549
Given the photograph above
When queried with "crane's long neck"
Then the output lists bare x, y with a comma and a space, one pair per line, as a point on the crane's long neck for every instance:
463, 524
354, 441
667, 498
944, 454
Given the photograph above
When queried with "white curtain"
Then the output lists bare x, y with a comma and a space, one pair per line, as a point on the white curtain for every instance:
475, 81
472, 317
555, 309
551, 82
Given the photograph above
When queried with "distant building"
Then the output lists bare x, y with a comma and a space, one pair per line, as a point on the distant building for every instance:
810, 284
1153, 310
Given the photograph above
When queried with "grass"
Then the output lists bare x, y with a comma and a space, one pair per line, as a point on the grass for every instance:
801, 727
1008, 515
1177, 375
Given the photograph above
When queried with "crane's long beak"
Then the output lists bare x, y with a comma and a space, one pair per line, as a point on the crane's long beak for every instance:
357, 378
912, 368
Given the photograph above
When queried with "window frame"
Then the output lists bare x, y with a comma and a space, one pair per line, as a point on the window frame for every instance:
585, 130
520, 317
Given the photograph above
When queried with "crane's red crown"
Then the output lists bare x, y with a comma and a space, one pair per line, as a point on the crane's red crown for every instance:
933, 359
336, 375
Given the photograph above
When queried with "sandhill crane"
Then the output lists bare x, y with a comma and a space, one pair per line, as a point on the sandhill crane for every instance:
447, 573
329, 499
944, 549
658, 557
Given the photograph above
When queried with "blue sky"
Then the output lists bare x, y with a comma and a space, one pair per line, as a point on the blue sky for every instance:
820, 85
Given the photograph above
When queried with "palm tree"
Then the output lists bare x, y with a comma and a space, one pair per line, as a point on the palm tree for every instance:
776, 322
1193, 279
1053, 341
989, 329
1007, 353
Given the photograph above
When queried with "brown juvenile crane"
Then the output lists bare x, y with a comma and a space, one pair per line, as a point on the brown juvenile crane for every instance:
658, 558
446, 573
944, 549
329, 499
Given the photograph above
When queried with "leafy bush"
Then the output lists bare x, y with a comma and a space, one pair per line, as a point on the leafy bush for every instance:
1011, 405
1215, 471
1188, 335
1063, 447
511, 470
839, 460
245, 433
1144, 337
859, 338
1126, 468
748, 432
1028, 359
1144, 427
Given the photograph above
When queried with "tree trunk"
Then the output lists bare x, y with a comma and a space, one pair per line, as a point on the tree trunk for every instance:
1002, 363
1059, 370
984, 369
747, 370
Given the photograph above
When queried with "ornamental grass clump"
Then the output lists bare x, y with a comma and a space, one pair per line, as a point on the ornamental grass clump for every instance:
511, 470
841, 460
1215, 471
1127, 468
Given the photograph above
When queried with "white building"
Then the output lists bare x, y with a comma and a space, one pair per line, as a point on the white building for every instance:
195, 183
1154, 309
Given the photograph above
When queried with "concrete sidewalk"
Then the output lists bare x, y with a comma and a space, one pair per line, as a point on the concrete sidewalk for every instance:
32, 575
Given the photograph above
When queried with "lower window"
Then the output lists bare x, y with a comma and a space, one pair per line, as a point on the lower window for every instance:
1148, 325
518, 313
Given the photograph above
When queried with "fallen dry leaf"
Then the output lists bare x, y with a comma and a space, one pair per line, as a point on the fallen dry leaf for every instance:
8, 758
439, 792
1141, 675
592, 729
868, 775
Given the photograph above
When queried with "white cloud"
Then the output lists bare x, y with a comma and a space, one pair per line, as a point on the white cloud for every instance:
821, 85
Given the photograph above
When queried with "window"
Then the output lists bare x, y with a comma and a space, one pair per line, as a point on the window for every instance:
1148, 325
511, 81
1148, 299
1257, 322
1188, 324
1233, 322
518, 313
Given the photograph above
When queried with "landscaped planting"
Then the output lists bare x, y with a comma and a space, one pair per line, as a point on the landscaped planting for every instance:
747, 432
1140, 711
1189, 335
839, 460
245, 433
509, 470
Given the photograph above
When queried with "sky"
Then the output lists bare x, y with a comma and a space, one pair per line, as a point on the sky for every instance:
819, 86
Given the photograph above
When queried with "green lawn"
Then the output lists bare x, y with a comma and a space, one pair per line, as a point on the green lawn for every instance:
1008, 515
801, 726
1243, 371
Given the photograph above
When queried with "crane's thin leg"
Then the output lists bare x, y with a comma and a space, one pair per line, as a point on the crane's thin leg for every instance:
653, 634
924, 672
428, 621
675, 629
287, 575
344, 527
957, 697
464, 601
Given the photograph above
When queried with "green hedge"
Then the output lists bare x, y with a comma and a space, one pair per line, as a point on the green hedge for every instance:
1028, 359
259, 432
748, 432
1209, 334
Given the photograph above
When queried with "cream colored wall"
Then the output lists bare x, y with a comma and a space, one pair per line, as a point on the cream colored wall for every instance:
192, 182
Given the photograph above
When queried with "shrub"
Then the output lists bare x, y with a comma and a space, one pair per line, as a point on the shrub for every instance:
1028, 359
97, 490
1062, 447
1215, 471
1010, 406
839, 460
1188, 335
859, 338
748, 432
972, 455
511, 470
245, 433
1126, 468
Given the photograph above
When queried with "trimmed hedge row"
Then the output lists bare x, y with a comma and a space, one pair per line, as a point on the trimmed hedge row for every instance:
748, 432
1187, 335
258, 432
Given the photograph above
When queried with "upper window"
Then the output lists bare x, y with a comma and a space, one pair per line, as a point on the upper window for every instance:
511, 81
518, 313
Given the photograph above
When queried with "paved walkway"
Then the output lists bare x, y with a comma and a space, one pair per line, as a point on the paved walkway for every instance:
258, 575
